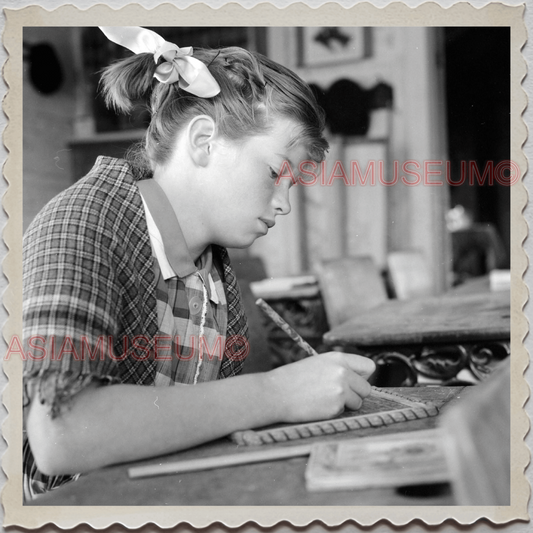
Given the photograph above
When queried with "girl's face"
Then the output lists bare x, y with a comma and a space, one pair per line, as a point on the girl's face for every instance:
245, 191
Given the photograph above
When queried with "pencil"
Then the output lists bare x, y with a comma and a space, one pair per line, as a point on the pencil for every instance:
296, 337
284, 326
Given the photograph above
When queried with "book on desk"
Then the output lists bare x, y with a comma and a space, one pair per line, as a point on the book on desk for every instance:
393, 460
305, 286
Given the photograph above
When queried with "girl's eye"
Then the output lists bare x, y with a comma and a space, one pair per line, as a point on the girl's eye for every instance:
273, 174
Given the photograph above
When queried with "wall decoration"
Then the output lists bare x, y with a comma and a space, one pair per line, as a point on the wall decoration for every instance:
330, 45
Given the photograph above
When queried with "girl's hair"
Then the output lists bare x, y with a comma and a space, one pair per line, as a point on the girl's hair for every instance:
254, 90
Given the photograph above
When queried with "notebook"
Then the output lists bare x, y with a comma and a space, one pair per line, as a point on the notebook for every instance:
381, 408
411, 458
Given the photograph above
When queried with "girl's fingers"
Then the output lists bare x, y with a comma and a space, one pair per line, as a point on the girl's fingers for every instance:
353, 402
358, 385
364, 366
356, 391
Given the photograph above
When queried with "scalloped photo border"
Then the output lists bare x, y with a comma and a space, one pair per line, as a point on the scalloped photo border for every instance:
396, 14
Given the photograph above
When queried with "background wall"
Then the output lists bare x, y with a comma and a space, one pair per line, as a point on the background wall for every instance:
48, 123
334, 221
63, 134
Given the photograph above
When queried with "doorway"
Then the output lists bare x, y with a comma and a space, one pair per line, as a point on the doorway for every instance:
478, 98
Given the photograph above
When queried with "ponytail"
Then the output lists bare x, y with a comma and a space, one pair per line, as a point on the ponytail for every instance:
128, 80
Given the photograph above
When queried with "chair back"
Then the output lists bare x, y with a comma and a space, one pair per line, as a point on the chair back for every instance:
349, 286
477, 250
409, 275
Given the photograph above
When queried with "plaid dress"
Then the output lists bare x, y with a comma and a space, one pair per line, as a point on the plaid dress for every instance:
90, 292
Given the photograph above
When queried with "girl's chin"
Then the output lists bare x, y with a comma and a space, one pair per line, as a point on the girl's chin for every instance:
246, 244
243, 242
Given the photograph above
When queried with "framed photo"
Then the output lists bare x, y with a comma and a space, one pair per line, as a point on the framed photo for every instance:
320, 46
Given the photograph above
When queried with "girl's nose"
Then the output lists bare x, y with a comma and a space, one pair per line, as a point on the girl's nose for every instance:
281, 201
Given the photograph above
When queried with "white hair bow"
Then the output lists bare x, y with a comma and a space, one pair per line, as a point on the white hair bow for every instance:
191, 74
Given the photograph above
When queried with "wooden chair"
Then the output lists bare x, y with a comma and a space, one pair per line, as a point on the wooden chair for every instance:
409, 275
349, 286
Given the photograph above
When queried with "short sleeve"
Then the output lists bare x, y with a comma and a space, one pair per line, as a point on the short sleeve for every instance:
71, 299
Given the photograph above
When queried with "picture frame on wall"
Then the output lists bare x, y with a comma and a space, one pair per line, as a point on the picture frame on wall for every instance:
321, 46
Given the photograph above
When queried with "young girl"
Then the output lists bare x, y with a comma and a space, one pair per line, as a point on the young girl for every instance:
132, 314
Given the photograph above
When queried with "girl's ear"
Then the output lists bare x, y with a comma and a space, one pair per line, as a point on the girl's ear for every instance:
200, 136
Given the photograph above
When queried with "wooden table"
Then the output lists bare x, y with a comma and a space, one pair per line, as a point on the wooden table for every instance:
272, 483
434, 337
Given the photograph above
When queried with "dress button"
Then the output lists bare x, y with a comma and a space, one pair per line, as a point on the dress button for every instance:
195, 305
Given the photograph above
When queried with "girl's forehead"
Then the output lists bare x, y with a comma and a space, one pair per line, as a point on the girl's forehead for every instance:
282, 140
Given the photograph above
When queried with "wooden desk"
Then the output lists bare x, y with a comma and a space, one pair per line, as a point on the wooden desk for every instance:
435, 337
273, 483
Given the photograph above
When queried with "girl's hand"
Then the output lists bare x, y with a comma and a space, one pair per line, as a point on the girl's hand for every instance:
321, 386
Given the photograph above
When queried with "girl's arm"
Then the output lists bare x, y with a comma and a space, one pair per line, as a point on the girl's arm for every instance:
120, 423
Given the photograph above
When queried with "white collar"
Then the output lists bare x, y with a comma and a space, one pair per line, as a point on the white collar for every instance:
159, 250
